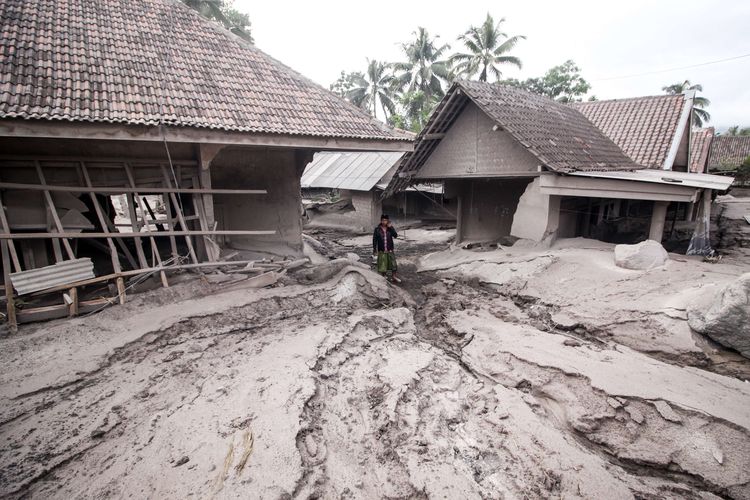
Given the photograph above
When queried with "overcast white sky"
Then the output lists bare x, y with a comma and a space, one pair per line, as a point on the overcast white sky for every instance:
606, 39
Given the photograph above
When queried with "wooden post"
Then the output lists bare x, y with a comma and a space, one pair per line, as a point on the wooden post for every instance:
212, 248
121, 289
12, 323
55, 215
73, 306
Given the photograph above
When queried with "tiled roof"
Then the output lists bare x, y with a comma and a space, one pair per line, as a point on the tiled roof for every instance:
360, 171
562, 138
559, 136
148, 62
643, 127
728, 152
700, 142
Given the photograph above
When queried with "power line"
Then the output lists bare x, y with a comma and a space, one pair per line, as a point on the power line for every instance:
671, 69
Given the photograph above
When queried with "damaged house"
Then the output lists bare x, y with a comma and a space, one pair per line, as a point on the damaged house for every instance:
361, 178
139, 136
520, 165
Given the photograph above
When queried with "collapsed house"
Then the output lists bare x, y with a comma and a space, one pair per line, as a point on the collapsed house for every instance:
361, 178
139, 136
521, 165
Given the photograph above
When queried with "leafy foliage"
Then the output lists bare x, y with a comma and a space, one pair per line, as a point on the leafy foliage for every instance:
488, 47
345, 83
424, 69
736, 130
224, 13
700, 115
563, 83
376, 87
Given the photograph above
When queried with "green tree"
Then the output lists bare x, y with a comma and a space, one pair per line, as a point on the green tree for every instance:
416, 109
375, 87
345, 83
224, 13
700, 115
736, 130
488, 47
424, 69
563, 83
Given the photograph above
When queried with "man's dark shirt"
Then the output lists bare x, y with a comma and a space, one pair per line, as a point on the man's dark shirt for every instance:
382, 240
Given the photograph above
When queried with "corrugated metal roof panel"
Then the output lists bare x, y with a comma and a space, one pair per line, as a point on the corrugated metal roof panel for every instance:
61, 273
358, 171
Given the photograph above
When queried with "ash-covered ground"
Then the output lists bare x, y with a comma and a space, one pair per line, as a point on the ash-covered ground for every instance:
490, 373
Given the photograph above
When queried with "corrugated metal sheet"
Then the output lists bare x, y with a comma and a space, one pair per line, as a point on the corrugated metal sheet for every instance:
689, 179
359, 171
42, 278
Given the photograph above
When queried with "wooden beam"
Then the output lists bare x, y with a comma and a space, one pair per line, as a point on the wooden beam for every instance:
137, 272
53, 210
125, 190
48, 236
102, 222
119, 131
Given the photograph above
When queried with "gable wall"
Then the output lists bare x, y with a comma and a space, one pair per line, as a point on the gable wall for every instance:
471, 148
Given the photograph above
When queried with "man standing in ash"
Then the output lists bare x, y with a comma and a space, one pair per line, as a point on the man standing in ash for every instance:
382, 246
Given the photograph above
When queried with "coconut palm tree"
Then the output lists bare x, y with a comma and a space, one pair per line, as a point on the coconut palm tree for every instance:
488, 47
700, 115
375, 87
424, 69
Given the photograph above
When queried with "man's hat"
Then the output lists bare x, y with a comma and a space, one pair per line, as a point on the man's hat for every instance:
385, 216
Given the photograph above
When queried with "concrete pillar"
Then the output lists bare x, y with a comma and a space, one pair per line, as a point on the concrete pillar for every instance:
658, 218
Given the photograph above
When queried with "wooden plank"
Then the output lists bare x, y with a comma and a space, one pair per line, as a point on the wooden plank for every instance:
102, 222
11, 304
172, 240
48, 236
134, 224
125, 190
178, 210
53, 210
212, 248
6, 228
137, 272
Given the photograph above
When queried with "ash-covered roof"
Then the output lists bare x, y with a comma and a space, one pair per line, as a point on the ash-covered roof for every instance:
728, 152
643, 127
151, 62
700, 143
562, 138
359, 171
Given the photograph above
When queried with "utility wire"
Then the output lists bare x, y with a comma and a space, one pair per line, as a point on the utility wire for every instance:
671, 69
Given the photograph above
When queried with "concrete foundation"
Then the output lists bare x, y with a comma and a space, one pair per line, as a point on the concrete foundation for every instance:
485, 207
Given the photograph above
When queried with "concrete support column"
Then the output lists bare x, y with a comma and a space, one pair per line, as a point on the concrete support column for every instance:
658, 218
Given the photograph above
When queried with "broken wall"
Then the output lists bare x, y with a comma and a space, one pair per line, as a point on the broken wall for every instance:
367, 207
276, 170
485, 206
